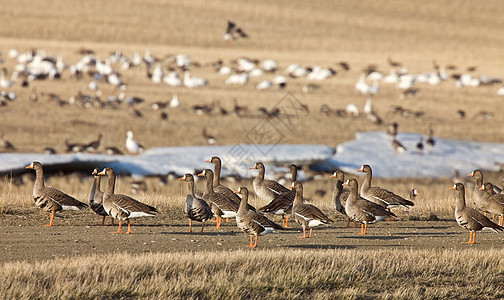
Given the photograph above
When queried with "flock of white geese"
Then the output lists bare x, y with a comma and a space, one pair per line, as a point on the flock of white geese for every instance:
367, 205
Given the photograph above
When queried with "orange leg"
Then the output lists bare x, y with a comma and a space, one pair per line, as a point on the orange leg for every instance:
501, 220
256, 238
251, 243
304, 234
219, 220
227, 220
51, 220
310, 232
363, 228
190, 223
493, 217
285, 224
472, 238
118, 229
129, 227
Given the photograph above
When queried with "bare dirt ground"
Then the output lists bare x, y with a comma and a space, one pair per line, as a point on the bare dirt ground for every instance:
23, 236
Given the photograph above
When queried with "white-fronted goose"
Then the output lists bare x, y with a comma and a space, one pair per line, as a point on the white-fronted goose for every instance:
362, 210
96, 198
93, 146
251, 222
306, 215
339, 196
5, 145
222, 206
133, 146
491, 202
398, 147
265, 189
120, 206
195, 208
413, 194
477, 194
379, 195
469, 218
50, 199
282, 204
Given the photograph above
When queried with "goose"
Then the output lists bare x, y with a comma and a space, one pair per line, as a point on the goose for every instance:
398, 147
195, 208
93, 146
232, 33
362, 210
306, 215
123, 207
133, 146
251, 222
339, 196
5, 145
51, 199
413, 194
491, 202
469, 218
174, 102
282, 203
193, 82
266, 189
97, 194
478, 194
379, 195
172, 79
222, 206
392, 129
210, 139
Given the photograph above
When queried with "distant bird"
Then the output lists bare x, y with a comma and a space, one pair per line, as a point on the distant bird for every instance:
133, 146
120, 206
398, 147
5, 145
430, 142
413, 194
392, 63
174, 102
93, 146
420, 145
210, 139
232, 33
196, 209
113, 151
392, 129
461, 113
51, 199
469, 218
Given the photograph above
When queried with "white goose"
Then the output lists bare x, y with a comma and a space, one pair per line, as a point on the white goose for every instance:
133, 146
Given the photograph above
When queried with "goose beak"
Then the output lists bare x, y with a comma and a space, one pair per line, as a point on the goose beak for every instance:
253, 167
237, 191
95, 172
202, 173
208, 160
181, 178
470, 174
481, 188
333, 176
452, 188
29, 167
360, 170
346, 182
102, 172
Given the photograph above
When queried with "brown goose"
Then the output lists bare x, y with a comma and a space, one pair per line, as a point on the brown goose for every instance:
282, 204
195, 208
469, 218
339, 196
5, 145
478, 194
266, 189
379, 195
413, 194
306, 214
120, 206
492, 203
251, 222
222, 206
50, 199
219, 188
362, 210
97, 194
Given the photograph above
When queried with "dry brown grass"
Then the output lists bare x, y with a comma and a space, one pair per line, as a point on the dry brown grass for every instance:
293, 274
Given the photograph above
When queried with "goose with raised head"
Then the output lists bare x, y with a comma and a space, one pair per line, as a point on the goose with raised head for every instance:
133, 146
413, 194
491, 202
96, 198
477, 193
379, 195
222, 206
362, 210
122, 207
339, 196
251, 222
196, 209
469, 218
266, 189
306, 215
51, 199
282, 204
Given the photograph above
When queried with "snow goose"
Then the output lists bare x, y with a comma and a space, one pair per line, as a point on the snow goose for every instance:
196, 209
251, 222
122, 207
174, 102
193, 82
361, 210
282, 204
51, 199
158, 73
172, 79
133, 146
265, 189
269, 65
306, 215
264, 85
222, 206
491, 202
239, 79
232, 33
96, 198
4, 82
379, 195
469, 218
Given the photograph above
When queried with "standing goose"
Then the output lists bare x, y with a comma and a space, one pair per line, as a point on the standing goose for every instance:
266, 189
195, 208
492, 203
120, 206
362, 210
50, 199
339, 196
469, 218
97, 194
306, 214
251, 222
222, 206
133, 146
477, 194
282, 204
379, 195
